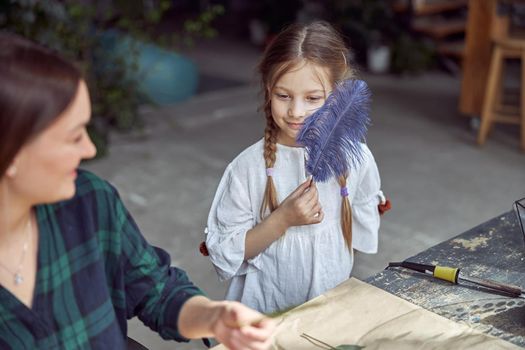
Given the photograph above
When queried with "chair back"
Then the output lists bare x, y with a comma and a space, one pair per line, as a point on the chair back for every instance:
508, 20
500, 20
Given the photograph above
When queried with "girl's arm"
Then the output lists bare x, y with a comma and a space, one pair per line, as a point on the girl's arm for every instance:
231, 323
301, 207
365, 214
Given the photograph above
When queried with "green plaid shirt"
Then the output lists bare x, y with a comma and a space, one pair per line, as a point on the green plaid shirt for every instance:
95, 271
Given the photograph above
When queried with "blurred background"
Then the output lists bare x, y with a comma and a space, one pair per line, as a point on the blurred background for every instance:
175, 99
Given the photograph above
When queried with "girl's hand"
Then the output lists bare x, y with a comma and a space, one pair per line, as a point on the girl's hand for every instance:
302, 206
239, 327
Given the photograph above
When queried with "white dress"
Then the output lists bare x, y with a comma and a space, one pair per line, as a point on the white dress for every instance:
307, 260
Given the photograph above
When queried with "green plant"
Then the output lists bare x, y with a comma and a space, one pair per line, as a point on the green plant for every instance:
410, 55
365, 23
368, 23
77, 30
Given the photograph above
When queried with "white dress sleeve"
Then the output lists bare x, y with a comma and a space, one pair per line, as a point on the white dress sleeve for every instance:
230, 217
365, 213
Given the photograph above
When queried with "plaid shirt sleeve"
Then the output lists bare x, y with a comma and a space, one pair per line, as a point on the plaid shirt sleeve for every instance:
154, 291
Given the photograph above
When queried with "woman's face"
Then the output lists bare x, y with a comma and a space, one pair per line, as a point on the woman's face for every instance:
296, 95
46, 167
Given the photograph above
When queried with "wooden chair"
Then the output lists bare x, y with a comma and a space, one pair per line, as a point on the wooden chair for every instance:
505, 46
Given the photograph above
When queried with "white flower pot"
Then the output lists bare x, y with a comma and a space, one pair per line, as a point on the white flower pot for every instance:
378, 59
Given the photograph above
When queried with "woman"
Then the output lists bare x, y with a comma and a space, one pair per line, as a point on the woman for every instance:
73, 264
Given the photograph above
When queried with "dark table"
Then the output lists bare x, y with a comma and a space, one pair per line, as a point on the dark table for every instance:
493, 250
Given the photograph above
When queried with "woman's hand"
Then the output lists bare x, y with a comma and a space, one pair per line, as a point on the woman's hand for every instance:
302, 206
231, 323
239, 327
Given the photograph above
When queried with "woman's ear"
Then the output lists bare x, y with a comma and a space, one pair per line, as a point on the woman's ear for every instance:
11, 170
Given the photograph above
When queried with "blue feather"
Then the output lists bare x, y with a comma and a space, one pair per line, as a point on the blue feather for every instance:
333, 134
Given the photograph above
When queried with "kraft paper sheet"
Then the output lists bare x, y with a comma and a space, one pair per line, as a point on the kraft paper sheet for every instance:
357, 313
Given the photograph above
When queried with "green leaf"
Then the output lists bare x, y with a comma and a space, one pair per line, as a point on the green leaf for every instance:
154, 16
349, 347
165, 6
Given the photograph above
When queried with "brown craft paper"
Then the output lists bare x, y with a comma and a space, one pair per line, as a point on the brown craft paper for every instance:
357, 313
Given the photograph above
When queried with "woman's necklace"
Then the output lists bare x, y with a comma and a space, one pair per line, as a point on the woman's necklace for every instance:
17, 275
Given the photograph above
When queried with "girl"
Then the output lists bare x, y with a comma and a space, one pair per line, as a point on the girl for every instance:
73, 264
278, 237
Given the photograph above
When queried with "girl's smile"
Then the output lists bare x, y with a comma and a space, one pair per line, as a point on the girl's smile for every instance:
295, 126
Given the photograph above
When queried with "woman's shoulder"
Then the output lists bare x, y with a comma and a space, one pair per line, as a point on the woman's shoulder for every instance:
92, 195
88, 182
92, 190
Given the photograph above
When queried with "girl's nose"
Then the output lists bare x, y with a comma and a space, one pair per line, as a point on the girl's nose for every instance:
297, 109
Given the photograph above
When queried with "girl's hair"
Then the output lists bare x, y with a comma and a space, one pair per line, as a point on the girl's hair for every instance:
317, 43
36, 86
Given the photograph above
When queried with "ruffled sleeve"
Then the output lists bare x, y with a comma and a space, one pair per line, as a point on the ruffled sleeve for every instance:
231, 216
365, 214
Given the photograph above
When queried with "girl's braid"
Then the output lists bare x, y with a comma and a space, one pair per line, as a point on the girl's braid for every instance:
346, 212
270, 150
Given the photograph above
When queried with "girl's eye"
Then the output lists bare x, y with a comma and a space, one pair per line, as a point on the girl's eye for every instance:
314, 98
282, 96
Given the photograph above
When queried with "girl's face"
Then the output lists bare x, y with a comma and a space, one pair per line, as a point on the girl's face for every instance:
296, 95
46, 167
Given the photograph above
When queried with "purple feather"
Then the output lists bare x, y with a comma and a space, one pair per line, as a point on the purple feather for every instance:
332, 135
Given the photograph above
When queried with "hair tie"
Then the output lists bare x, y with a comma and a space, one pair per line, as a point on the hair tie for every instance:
344, 191
269, 171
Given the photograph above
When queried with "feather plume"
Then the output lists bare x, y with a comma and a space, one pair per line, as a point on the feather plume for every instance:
333, 134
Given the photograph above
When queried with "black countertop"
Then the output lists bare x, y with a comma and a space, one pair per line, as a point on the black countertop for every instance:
493, 250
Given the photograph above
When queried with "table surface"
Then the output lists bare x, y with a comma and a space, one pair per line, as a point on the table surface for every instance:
493, 250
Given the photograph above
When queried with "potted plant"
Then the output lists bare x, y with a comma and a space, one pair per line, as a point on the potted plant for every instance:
79, 30
369, 26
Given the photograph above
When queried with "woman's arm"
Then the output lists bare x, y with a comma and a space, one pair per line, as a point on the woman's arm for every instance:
231, 323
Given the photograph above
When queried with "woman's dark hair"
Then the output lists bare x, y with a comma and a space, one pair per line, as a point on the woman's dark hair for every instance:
36, 86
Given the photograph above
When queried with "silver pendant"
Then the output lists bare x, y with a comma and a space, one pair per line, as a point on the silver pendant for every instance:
18, 279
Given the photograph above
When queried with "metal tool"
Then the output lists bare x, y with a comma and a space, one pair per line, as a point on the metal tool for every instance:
451, 274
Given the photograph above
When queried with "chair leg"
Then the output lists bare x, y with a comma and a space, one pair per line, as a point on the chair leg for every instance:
490, 94
498, 99
522, 100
